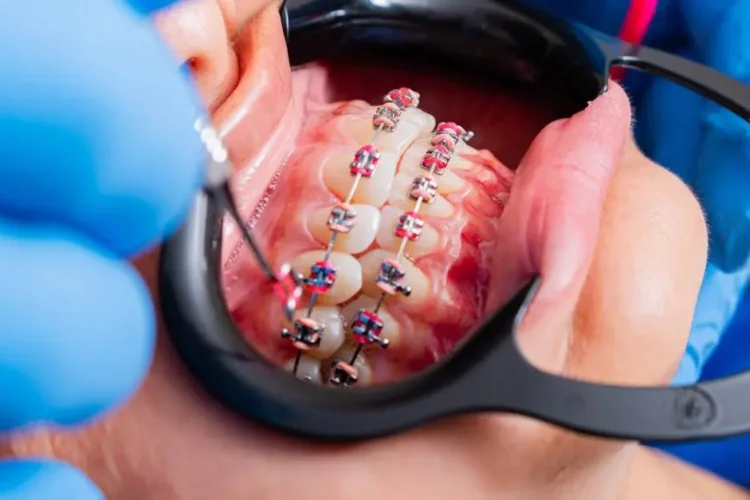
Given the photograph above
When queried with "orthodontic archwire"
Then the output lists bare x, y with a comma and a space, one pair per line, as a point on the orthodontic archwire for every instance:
288, 285
367, 325
308, 332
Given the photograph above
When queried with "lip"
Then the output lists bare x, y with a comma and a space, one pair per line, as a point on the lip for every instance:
259, 101
256, 121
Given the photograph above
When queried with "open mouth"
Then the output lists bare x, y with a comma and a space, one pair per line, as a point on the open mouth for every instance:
294, 134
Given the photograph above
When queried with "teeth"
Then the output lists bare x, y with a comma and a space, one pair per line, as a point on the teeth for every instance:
360, 236
414, 277
399, 197
308, 369
413, 123
388, 240
332, 336
391, 330
370, 191
361, 364
348, 275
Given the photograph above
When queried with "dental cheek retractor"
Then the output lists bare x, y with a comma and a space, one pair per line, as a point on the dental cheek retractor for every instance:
488, 372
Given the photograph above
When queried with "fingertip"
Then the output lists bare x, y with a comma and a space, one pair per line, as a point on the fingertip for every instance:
122, 159
47, 480
78, 329
610, 112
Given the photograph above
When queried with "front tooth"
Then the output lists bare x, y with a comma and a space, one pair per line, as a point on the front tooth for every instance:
308, 369
391, 330
412, 124
399, 197
370, 191
360, 236
413, 277
387, 239
332, 336
361, 364
348, 274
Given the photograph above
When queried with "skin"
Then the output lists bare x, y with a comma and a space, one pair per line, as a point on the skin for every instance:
619, 293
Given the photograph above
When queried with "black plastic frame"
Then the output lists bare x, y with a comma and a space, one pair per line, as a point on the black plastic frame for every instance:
489, 373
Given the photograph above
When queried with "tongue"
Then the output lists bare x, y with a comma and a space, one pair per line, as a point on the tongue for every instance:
481, 252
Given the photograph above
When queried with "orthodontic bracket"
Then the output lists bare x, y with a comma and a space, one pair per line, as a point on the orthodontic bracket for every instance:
343, 374
410, 226
342, 218
322, 277
391, 272
365, 161
425, 187
366, 328
306, 335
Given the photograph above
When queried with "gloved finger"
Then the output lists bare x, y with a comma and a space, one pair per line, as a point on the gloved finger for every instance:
149, 6
77, 328
96, 123
47, 480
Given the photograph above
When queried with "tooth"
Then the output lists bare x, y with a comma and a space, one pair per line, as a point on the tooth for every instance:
308, 369
391, 330
348, 275
413, 123
388, 240
399, 197
411, 162
332, 336
370, 191
361, 364
360, 236
413, 277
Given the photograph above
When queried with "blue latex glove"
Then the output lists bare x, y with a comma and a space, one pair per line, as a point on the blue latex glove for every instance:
98, 160
707, 146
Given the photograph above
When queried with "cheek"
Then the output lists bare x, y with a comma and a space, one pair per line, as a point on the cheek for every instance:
634, 315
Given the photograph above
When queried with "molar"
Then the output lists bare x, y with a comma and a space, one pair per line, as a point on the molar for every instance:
348, 275
332, 337
399, 197
414, 277
360, 236
387, 239
370, 191
308, 369
391, 329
